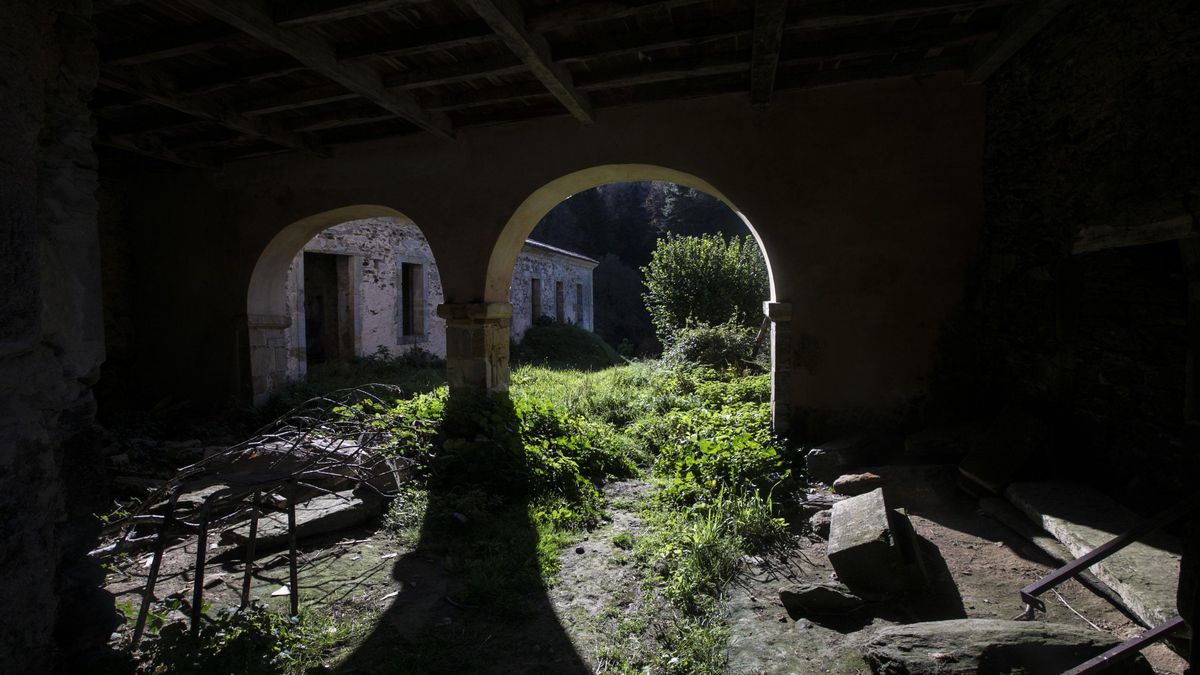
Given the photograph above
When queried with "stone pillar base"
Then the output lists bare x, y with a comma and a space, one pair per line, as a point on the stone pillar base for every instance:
477, 337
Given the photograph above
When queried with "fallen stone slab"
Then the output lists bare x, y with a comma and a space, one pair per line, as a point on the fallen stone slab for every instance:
818, 599
871, 547
1144, 574
324, 514
988, 647
857, 483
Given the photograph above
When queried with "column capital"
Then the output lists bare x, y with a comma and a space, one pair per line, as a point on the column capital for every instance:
475, 311
778, 311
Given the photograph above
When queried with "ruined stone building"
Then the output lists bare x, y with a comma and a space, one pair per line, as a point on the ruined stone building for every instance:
372, 287
967, 207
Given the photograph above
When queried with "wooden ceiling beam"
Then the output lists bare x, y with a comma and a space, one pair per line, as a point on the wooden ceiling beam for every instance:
154, 149
291, 13
159, 88
1016, 34
296, 100
315, 52
422, 41
682, 70
463, 71
826, 15
769, 16
226, 78
167, 44
579, 12
507, 19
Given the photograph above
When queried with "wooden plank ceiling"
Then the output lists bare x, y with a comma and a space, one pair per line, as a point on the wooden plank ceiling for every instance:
203, 82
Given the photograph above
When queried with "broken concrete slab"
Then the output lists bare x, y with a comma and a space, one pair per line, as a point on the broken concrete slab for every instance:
873, 548
327, 513
818, 599
1144, 574
987, 647
857, 483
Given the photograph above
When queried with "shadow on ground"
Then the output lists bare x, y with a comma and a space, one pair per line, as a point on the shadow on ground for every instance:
472, 597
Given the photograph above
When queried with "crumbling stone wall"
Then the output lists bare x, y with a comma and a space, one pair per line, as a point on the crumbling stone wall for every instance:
51, 339
550, 267
1093, 123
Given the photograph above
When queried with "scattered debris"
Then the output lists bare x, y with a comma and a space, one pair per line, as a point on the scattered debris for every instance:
986, 647
281, 591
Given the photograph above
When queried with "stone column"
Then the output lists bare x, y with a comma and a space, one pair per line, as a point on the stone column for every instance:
477, 337
268, 355
782, 364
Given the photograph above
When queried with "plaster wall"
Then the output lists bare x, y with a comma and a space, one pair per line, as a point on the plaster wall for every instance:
866, 197
550, 268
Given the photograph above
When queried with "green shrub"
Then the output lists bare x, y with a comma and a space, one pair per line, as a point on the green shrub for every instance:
551, 344
705, 279
717, 346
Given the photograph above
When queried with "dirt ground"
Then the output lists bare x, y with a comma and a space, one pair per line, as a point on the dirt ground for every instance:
402, 596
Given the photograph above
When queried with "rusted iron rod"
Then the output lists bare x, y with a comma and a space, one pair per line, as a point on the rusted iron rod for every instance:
198, 582
250, 541
155, 563
293, 575
1127, 648
1030, 593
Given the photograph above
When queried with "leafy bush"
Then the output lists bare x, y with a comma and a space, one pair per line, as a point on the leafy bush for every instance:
720, 346
551, 344
705, 279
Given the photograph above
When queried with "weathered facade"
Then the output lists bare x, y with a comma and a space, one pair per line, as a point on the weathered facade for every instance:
551, 282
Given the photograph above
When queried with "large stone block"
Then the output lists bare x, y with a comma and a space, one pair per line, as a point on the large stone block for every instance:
987, 647
873, 548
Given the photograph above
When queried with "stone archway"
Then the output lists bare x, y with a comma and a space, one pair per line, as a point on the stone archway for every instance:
478, 333
272, 342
